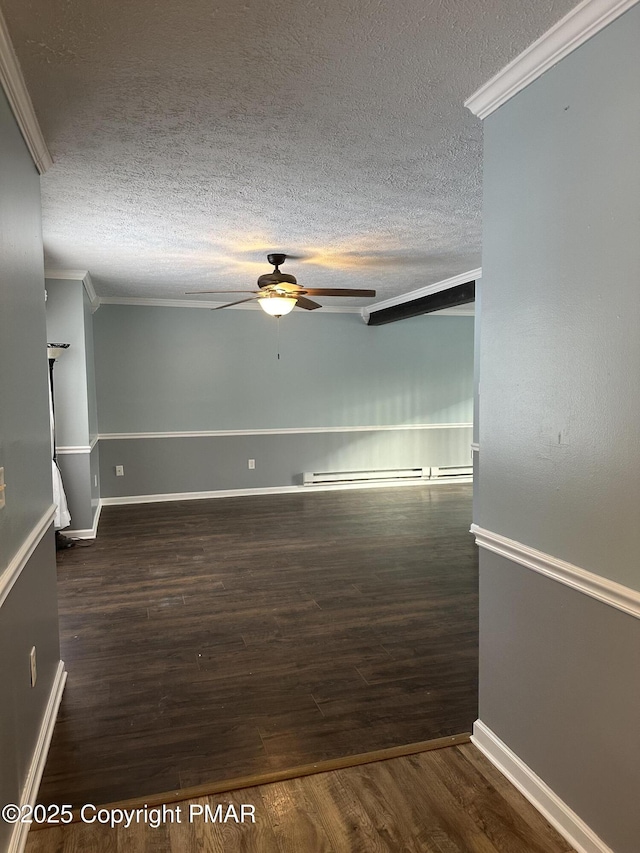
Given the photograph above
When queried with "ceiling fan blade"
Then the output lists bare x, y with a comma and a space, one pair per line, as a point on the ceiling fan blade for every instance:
228, 305
337, 291
308, 304
192, 292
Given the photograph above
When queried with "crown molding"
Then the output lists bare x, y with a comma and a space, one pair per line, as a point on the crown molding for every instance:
579, 25
436, 287
192, 303
19, 99
77, 275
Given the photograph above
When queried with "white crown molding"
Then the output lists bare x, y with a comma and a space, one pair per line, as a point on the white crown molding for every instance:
77, 275
428, 290
189, 303
570, 825
11, 574
119, 436
29, 795
19, 99
579, 25
609, 592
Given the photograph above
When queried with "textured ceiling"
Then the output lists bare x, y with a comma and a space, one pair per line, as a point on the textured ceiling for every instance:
191, 137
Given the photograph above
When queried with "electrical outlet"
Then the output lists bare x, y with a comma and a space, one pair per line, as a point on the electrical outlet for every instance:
119, 470
252, 464
32, 666
2, 488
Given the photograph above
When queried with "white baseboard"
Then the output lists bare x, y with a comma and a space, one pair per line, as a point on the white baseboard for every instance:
539, 794
29, 794
86, 533
275, 490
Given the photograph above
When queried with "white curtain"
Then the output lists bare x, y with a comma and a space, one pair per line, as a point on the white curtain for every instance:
62, 516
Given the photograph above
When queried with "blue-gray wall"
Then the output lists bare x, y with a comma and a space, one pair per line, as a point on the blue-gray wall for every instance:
28, 615
70, 320
65, 324
184, 370
560, 359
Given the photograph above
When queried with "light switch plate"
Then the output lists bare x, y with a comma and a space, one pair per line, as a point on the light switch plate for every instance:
2, 488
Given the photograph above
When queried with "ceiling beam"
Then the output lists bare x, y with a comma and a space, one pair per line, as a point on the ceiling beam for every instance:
460, 294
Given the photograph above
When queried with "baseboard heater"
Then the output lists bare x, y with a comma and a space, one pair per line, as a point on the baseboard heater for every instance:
341, 477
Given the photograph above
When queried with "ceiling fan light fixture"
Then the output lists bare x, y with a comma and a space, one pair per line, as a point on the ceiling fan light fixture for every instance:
277, 306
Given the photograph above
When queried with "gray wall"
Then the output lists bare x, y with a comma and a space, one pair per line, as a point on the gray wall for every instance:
477, 338
28, 616
175, 465
65, 324
161, 369
90, 368
69, 320
171, 369
560, 357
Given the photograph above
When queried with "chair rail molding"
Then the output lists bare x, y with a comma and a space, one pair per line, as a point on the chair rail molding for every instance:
579, 25
112, 436
12, 572
19, 99
602, 589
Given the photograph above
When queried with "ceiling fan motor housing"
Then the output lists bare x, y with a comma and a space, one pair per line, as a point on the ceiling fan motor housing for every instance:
276, 278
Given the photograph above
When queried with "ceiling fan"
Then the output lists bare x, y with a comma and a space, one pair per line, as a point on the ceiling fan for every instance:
279, 292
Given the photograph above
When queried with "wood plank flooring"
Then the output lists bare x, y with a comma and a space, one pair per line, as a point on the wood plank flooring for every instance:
451, 800
220, 638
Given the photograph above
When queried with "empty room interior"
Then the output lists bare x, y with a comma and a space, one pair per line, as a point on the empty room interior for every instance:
318, 345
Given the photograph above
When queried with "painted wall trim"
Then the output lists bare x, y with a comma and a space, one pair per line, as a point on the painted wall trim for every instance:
193, 303
275, 490
115, 436
19, 99
11, 574
579, 25
88, 532
77, 275
29, 794
72, 449
602, 589
436, 287
539, 794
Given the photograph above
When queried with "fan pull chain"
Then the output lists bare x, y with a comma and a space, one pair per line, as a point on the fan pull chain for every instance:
278, 338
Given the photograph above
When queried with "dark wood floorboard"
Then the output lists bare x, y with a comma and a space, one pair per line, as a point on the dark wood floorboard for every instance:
449, 800
212, 639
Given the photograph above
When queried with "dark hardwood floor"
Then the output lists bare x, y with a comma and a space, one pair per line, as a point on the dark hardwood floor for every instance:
447, 801
211, 639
